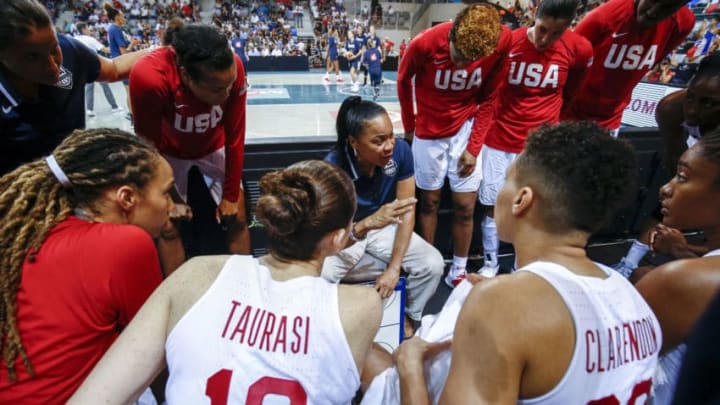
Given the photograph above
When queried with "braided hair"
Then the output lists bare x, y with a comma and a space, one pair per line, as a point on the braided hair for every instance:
33, 201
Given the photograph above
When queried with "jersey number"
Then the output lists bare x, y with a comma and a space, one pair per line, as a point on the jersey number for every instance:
641, 388
218, 389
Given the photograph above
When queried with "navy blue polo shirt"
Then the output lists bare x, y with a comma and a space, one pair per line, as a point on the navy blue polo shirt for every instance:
30, 129
374, 192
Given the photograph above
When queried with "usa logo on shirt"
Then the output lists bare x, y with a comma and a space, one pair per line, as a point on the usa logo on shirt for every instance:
390, 168
65, 81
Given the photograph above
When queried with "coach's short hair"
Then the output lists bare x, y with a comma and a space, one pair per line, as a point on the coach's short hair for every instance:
581, 173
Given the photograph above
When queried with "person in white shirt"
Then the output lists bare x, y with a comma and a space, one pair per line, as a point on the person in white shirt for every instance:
552, 332
88, 40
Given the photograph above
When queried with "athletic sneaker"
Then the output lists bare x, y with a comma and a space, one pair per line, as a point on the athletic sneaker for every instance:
90, 113
624, 268
355, 87
339, 80
489, 271
326, 79
454, 277
117, 110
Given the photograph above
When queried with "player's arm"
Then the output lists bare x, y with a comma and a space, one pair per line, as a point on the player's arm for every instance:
234, 122
670, 116
115, 69
410, 65
678, 293
148, 99
685, 22
360, 313
579, 71
385, 283
487, 350
489, 92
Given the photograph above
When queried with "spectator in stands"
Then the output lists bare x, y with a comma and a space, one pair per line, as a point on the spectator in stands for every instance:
681, 290
445, 134
190, 100
86, 38
683, 118
119, 44
385, 243
42, 82
557, 355
317, 349
546, 67
79, 261
661, 73
629, 37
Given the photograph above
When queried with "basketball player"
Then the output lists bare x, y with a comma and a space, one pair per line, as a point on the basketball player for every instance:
79, 261
570, 316
545, 68
680, 291
238, 329
189, 101
353, 53
332, 56
456, 67
629, 37
119, 45
42, 82
683, 118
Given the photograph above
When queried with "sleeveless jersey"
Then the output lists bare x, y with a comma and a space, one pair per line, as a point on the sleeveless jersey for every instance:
668, 370
385, 387
617, 339
251, 339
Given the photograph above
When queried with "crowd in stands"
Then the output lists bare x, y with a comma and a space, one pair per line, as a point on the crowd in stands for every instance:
263, 28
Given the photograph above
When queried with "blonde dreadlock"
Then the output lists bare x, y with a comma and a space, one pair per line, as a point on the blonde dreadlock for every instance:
32, 202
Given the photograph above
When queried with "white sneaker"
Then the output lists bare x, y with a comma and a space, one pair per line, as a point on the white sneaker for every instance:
90, 113
489, 271
455, 277
117, 110
355, 87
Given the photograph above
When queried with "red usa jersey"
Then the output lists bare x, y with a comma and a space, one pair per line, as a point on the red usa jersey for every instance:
446, 95
536, 85
166, 112
624, 52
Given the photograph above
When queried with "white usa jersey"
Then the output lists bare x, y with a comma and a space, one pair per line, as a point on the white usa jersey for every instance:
617, 339
253, 340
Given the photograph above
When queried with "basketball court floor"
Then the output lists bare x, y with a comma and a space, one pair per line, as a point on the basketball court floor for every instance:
280, 105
